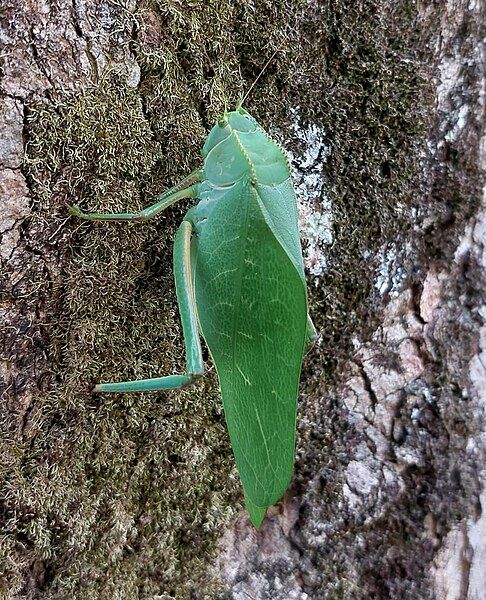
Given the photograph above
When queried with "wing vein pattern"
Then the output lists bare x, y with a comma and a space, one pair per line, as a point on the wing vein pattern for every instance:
253, 317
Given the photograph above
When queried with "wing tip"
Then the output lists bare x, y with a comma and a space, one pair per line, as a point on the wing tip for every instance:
256, 513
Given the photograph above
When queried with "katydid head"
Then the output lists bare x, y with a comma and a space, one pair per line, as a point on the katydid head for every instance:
225, 159
238, 119
235, 120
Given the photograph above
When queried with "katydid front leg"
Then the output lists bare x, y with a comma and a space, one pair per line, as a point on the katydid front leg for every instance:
166, 199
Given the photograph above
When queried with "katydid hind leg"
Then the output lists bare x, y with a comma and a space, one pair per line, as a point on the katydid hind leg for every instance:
192, 344
166, 199
170, 382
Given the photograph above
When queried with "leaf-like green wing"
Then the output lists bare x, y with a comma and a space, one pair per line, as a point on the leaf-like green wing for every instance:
279, 208
252, 309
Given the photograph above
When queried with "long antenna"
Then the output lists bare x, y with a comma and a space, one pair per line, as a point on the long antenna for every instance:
258, 77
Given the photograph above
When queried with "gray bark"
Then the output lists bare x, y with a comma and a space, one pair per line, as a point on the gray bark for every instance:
104, 104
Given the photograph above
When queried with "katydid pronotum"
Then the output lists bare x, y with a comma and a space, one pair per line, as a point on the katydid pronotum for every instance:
240, 284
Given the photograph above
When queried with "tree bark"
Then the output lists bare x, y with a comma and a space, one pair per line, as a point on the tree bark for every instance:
379, 106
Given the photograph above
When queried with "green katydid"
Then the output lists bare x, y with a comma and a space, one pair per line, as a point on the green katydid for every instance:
240, 284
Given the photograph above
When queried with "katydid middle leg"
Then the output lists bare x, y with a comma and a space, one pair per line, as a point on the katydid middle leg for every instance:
311, 334
192, 344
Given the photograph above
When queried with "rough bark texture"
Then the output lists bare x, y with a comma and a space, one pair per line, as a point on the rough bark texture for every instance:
379, 105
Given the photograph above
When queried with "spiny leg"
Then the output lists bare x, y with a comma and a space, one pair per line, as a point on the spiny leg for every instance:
166, 199
193, 177
185, 298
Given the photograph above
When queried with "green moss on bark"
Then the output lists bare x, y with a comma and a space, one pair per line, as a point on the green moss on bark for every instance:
124, 496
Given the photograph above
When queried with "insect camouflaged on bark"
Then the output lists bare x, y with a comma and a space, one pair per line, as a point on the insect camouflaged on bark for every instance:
240, 284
